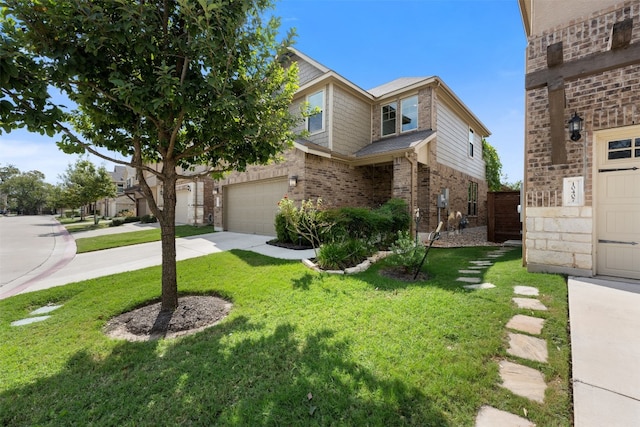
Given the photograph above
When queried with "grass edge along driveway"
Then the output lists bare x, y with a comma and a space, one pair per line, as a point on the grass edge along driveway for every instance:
299, 348
109, 241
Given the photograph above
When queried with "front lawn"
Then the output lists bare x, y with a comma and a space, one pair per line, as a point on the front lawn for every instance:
298, 349
97, 243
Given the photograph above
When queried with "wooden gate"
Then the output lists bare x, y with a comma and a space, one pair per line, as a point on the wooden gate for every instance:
503, 222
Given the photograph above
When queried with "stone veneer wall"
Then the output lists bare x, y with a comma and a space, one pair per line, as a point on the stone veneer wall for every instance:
561, 238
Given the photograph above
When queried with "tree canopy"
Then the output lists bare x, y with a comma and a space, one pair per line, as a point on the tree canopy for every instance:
493, 166
84, 183
23, 192
180, 83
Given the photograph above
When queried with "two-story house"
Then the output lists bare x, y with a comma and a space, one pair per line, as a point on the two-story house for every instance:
582, 207
411, 138
111, 206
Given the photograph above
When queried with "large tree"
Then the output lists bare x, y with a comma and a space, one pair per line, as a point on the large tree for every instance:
26, 192
84, 183
179, 83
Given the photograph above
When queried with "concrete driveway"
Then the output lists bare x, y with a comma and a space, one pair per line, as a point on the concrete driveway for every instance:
46, 256
604, 316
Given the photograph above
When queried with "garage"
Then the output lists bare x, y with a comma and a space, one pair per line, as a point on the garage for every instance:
618, 203
251, 207
182, 204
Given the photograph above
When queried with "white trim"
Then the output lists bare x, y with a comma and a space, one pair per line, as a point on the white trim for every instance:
323, 112
417, 113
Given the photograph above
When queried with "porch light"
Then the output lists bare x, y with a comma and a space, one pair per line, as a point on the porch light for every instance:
575, 127
215, 190
293, 181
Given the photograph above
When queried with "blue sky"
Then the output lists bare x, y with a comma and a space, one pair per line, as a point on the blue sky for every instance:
477, 47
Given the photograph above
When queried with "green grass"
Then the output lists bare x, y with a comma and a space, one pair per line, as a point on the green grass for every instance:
97, 243
74, 225
369, 350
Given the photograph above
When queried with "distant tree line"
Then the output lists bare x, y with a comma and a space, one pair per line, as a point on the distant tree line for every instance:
27, 193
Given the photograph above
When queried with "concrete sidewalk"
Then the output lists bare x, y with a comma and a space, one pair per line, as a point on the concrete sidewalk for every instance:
67, 267
605, 344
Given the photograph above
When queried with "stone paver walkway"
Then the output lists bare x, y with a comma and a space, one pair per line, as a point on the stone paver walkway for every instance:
519, 379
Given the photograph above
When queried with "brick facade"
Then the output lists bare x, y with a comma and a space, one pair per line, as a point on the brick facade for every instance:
328, 165
560, 238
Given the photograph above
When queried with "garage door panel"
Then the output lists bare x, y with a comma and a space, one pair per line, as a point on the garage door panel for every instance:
618, 208
252, 207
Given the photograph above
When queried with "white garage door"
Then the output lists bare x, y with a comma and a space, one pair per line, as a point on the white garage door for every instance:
618, 203
182, 205
251, 208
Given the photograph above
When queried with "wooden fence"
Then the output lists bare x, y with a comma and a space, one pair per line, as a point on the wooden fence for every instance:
503, 219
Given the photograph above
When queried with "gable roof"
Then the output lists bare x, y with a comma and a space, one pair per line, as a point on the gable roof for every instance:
398, 143
395, 85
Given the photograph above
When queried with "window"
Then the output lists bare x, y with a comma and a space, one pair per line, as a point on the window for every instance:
409, 110
472, 204
389, 118
120, 188
315, 122
471, 141
623, 149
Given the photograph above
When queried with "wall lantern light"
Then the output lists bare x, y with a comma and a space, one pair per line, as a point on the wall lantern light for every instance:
293, 181
575, 127
215, 190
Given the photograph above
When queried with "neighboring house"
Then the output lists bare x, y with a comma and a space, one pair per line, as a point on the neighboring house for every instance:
194, 197
410, 138
582, 207
112, 206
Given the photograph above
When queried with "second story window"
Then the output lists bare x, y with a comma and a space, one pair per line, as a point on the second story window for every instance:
409, 111
389, 118
120, 188
315, 122
471, 142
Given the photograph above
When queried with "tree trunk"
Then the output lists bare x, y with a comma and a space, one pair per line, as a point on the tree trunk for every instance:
168, 231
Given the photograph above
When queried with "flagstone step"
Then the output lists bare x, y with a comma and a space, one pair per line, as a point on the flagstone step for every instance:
522, 380
528, 324
480, 286
481, 262
529, 291
528, 347
529, 303
29, 320
489, 416
469, 271
469, 279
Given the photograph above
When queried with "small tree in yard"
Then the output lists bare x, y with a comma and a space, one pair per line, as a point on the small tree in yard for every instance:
83, 183
180, 83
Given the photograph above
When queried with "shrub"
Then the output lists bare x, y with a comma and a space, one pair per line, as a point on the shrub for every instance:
357, 223
407, 254
148, 219
340, 255
129, 219
307, 221
393, 217
284, 233
115, 222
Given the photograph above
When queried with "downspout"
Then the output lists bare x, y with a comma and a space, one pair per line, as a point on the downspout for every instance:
414, 190
195, 208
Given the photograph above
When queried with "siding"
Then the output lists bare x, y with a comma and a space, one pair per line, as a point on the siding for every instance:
351, 122
306, 72
453, 141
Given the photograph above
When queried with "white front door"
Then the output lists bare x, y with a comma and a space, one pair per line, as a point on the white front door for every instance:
618, 202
